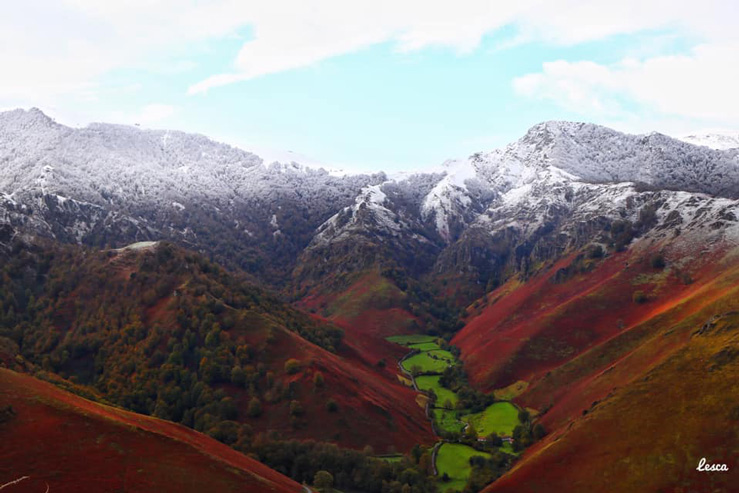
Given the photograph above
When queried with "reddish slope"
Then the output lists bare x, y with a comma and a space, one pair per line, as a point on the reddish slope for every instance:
154, 366
73, 444
369, 401
529, 329
651, 434
368, 311
623, 385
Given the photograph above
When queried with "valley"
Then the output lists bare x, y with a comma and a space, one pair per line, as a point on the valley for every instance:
464, 430
538, 317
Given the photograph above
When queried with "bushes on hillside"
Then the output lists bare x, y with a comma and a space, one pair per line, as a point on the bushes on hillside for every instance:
292, 366
657, 261
254, 410
332, 406
639, 296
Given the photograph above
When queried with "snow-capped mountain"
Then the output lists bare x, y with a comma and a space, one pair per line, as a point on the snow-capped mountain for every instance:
113, 184
561, 186
714, 141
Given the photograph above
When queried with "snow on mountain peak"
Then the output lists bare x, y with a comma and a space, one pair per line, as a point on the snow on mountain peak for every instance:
718, 141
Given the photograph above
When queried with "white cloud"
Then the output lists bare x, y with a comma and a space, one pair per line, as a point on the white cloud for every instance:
700, 86
290, 34
51, 49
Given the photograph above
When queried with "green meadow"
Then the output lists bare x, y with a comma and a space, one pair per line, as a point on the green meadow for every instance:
429, 362
454, 460
499, 417
431, 382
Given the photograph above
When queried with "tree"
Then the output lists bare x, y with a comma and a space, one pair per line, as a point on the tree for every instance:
296, 409
658, 261
470, 431
254, 409
318, 381
595, 251
292, 366
639, 297
538, 432
238, 377
323, 480
332, 406
495, 440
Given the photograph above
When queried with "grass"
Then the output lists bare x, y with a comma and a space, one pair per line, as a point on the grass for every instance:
454, 460
508, 448
430, 361
407, 340
512, 391
447, 421
425, 346
499, 417
431, 382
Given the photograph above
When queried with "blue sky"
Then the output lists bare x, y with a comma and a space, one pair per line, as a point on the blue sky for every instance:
375, 85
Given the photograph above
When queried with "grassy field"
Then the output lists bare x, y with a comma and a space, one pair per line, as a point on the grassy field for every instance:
454, 460
500, 417
430, 361
411, 339
512, 391
447, 421
425, 346
431, 382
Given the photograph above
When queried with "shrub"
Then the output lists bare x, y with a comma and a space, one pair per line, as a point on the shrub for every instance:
495, 440
238, 377
296, 409
657, 261
639, 297
292, 366
323, 480
254, 409
318, 381
595, 251
539, 432
6, 413
332, 406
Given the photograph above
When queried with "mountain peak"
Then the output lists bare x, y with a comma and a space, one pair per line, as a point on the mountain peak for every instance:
27, 117
720, 141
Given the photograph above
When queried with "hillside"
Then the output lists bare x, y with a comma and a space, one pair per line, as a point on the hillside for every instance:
571, 271
164, 332
651, 433
614, 373
71, 444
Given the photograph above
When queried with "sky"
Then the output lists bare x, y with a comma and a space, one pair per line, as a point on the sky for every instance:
374, 84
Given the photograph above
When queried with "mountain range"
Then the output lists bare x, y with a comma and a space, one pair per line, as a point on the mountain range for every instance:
583, 274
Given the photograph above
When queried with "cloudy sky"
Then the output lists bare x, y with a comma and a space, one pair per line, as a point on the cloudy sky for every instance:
374, 84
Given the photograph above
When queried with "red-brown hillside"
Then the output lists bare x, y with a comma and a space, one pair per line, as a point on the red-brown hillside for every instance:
71, 444
164, 332
369, 400
624, 383
369, 311
651, 434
